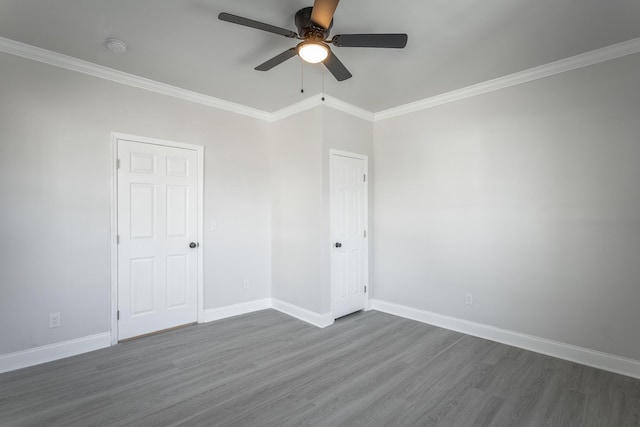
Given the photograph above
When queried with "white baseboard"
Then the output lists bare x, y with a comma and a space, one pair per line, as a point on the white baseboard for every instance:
584, 356
212, 314
48, 353
51, 352
319, 320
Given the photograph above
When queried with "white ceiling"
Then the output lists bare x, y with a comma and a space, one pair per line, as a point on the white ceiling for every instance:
452, 43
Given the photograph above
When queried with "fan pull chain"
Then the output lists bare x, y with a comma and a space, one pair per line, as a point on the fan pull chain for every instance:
323, 84
301, 76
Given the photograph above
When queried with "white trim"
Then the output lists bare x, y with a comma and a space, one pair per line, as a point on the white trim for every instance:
213, 314
48, 353
596, 359
200, 150
298, 107
157, 141
345, 107
342, 153
114, 241
365, 159
60, 350
585, 356
70, 63
628, 47
316, 101
74, 64
607, 53
316, 319
115, 137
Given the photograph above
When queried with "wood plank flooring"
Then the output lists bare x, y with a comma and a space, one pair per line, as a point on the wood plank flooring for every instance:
268, 369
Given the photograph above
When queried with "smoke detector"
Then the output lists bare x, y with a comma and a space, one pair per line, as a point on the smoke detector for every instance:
116, 46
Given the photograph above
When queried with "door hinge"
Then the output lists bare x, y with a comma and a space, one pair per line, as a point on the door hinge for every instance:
364, 178
365, 233
118, 316
117, 239
365, 289
117, 163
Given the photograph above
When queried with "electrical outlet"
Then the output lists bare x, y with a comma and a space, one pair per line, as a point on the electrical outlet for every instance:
468, 299
245, 283
54, 320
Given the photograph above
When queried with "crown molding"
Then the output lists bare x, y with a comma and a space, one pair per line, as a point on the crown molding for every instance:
74, 64
316, 101
23, 50
298, 107
618, 50
345, 107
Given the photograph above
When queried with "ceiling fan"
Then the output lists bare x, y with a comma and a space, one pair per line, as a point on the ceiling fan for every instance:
314, 24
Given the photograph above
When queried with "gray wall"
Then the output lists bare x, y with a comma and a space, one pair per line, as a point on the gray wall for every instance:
296, 164
529, 198
55, 158
300, 211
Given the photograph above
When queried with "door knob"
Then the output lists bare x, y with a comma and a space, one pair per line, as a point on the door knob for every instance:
338, 245
194, 245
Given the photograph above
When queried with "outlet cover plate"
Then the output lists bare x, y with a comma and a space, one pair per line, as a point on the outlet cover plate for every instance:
468, 299
54, 320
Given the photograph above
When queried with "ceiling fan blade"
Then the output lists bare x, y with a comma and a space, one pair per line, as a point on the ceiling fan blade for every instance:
277, 60
323, 11
256, 24
397, 41
336, 67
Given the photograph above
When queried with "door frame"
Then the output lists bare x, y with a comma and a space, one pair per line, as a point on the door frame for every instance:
365, 159
199, 149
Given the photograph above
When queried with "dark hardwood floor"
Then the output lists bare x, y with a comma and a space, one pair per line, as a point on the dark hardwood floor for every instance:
268, 369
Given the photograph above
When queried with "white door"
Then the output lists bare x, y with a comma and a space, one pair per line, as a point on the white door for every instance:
157, 222
348, 234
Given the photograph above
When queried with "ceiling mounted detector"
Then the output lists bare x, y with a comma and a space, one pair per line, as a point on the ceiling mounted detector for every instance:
115, 45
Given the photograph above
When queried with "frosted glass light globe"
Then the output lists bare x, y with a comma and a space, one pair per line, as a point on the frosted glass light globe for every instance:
313, 52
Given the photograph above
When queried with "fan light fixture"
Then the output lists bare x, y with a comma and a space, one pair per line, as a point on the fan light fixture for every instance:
313, 52
314, 26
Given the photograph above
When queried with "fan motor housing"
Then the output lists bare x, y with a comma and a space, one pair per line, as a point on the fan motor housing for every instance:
307, 29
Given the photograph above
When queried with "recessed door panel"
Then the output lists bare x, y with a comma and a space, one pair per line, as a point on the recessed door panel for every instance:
142, 163
142, 202
142, 285
353, 217
177, 166
177, 280
177, 210
355, 272
341, 220
341, 279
